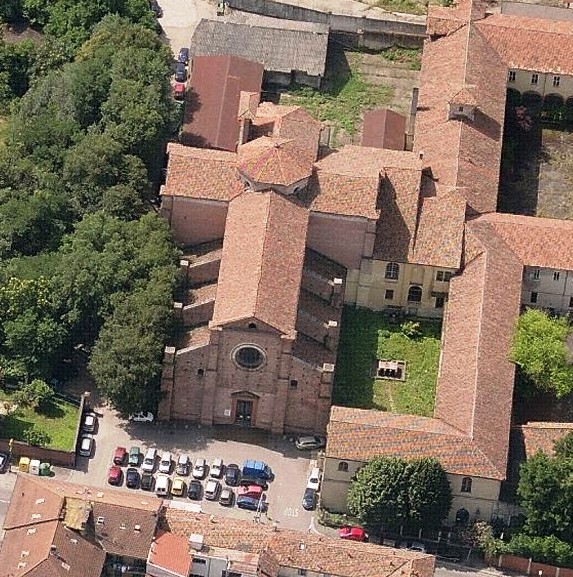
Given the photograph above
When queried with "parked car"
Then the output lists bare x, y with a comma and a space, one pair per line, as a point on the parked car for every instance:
86, 446
227, 497
183, 465
4, 462
162, 485
165, 463
155, 8
232, 474
309, 442
89, 422
149, 460
179, 90
134, 455
250, 503
199, 469
143, 417
147, 482
132, 478
254, 481
183, 55
353, 533
309, 499
216, 469
178, 488
180, 72
195, 490
314, 479
414, 546
119, 455
212, 490
254, 491
257, 469
114, 475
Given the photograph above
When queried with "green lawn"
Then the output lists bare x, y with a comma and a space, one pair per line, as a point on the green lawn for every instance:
367, 335
59, 422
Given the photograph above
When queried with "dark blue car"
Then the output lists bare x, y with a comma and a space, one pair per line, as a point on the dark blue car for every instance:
245, 502
183, 56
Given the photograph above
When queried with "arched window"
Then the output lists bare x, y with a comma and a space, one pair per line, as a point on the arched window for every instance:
392, 271
467, 485
343, 466
415, 294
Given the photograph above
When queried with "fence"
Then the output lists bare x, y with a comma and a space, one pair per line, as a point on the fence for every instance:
528, 566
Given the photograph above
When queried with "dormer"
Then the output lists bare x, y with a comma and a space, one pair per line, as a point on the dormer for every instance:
463, 104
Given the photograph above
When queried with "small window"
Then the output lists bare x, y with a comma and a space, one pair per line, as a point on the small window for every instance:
415, 294
570, 302
460, 108
511, 77
200, 372
535, 275
293, 384
440, 302
556, 81
556, 275
533, 297
343, 466
467, 485
252, 326
443, 275
392, 271
534, 79
389, 294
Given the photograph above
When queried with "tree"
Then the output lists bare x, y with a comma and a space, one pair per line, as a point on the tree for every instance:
548, 549
540, 350
564, 446
429, 492
36, 394
33, 436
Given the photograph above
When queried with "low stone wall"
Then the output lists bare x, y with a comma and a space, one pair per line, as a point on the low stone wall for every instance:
528, 566
402, 30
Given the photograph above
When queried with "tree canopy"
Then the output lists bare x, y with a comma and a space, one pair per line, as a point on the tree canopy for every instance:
390, 492
540, 350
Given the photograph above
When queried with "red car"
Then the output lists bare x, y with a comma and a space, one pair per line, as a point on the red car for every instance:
119, 455
352, 533
179, 90
114, 475
254, 491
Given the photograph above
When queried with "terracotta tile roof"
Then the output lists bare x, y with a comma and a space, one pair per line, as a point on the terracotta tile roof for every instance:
311, 352
193, 338
475, 384
531, 43
465, 96
542, 242
274, 160
248, 104
295, 549
439, 236
384, 128
462, 153
212, 103
261, 265
201, 173
358, 435
540, 436
171, 552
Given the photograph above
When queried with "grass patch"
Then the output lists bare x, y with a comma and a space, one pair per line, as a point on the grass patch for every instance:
367, 335
3, 130
410, 56
344, 97
59, 421
405, 6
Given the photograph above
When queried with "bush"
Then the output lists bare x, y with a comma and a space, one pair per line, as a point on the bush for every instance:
36, 394
410, 329
549, 550
37, 438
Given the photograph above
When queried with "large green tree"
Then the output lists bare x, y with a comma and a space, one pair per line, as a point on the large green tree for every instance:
540, 350
390, 491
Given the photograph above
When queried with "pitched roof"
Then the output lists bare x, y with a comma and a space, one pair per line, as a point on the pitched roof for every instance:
284, 47
171, 552
274, 160
261, 264
542, 436
358, 435
384, 128
212, 103
201, 173
475, 385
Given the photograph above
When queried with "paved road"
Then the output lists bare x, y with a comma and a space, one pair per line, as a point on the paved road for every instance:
7, 481
291, 467
457, 570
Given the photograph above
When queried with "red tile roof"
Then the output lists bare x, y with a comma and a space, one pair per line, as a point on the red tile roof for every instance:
171, 552
201, 173
540, 436
384, 128
212, 103
359, 435
261, 265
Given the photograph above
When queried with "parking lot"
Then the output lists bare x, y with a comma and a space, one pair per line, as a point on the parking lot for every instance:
232, 444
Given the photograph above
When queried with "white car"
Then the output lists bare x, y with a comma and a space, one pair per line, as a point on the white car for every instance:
314, 479
165, 463
199, 469
143, 417
216, 468
309, 443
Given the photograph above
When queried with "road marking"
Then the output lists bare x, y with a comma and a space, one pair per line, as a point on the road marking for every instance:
291, 512
4, 500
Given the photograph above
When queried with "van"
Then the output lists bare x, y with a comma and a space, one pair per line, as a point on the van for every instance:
257, 470
149, 460
86, 446
162, 485
314, 479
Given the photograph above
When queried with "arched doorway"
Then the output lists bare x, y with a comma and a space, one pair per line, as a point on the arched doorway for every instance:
244, 408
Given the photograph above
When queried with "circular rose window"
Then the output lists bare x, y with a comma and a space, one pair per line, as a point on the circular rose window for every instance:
249, 357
